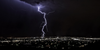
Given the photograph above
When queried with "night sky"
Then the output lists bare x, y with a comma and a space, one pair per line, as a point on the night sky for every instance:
68, 18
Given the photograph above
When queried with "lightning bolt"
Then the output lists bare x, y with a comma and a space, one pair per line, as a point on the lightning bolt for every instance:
45, 21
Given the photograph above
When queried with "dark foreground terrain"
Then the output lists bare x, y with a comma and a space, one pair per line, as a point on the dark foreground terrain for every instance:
49, 43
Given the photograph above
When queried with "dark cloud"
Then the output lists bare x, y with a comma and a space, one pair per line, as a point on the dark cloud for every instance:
70, 18
18, 19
